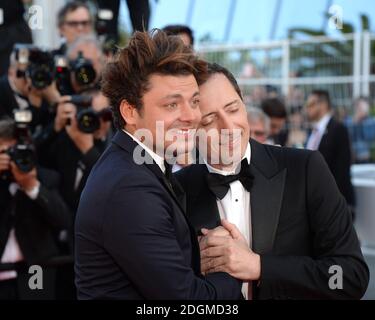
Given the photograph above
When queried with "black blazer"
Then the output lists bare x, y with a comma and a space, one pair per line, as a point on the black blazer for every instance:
132, 239
59, 153
36, 222
300, 224
41, 116
335, 148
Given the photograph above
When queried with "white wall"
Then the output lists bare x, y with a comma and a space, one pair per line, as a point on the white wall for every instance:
43, 24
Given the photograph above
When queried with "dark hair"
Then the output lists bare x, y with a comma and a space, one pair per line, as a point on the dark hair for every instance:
176, 29
127, 76
70, 7
323, 96
214, 68
7, 128
274, 108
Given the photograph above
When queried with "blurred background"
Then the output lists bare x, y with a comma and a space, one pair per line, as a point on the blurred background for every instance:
284, 54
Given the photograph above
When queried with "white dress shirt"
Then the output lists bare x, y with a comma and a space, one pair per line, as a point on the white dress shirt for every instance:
12, 252
235, 206
158, 159
319, 128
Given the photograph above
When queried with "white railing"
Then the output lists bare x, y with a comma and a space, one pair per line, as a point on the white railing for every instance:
344, 66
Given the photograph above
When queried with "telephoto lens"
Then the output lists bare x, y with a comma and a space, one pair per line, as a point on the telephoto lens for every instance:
84, 71
40, 65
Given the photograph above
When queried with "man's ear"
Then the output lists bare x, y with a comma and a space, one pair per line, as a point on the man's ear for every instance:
128, 112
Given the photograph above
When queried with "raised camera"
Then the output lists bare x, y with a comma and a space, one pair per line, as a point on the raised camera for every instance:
83, 69
88, 119
40, 66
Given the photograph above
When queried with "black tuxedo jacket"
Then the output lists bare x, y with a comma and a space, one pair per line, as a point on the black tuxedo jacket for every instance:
41, 116
300, 224
335, 148
36, 222
59, 153
132, 238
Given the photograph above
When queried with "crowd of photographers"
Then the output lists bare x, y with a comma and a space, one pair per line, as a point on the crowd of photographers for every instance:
54, 125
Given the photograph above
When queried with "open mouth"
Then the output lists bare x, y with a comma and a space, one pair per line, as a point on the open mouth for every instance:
185, 132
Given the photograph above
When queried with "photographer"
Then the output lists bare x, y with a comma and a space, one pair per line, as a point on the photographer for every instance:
66, 146
80, 69
71, 148
29, 84
31, 214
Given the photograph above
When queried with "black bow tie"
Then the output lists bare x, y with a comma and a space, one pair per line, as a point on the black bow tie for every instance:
219, 184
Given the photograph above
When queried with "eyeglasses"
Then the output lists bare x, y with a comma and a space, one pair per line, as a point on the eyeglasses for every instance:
75, 24
258, 133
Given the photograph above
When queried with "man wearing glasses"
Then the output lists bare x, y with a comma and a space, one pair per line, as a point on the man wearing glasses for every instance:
74, 20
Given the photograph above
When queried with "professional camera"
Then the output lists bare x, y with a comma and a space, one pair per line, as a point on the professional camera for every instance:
62, 77
103, 20
83, 69
22, 153
88, 120
40, 66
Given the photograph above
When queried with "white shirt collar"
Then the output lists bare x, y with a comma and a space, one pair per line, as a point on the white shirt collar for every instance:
158, 159
321, 125
231, 172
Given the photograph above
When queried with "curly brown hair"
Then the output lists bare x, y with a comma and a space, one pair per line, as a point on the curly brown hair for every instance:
126, 77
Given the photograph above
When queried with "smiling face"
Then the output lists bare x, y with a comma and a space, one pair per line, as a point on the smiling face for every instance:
171, 105
223, 112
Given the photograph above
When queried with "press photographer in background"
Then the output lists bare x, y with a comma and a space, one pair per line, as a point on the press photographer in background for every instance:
72, 143
74, 19
29, 85
31, 213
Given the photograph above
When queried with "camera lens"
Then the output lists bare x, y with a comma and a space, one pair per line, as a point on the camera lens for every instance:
85, 74
88, 121
41, 77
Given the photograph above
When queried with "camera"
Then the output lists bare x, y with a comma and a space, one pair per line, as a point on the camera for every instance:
103, 20
40, 65
83, 70
88, 120
23, 152
62, 77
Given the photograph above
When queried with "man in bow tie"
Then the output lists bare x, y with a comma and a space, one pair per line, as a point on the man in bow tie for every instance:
270, 216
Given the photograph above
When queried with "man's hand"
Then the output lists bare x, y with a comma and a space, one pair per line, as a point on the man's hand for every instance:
4, 160
217, 232
229, 254
26, 180
36, 96
64, 111
51, 94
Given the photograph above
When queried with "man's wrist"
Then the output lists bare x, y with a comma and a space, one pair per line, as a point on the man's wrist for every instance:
255, 267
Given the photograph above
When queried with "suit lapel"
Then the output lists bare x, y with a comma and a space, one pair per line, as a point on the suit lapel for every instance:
265, 197
177, 193
323, 145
